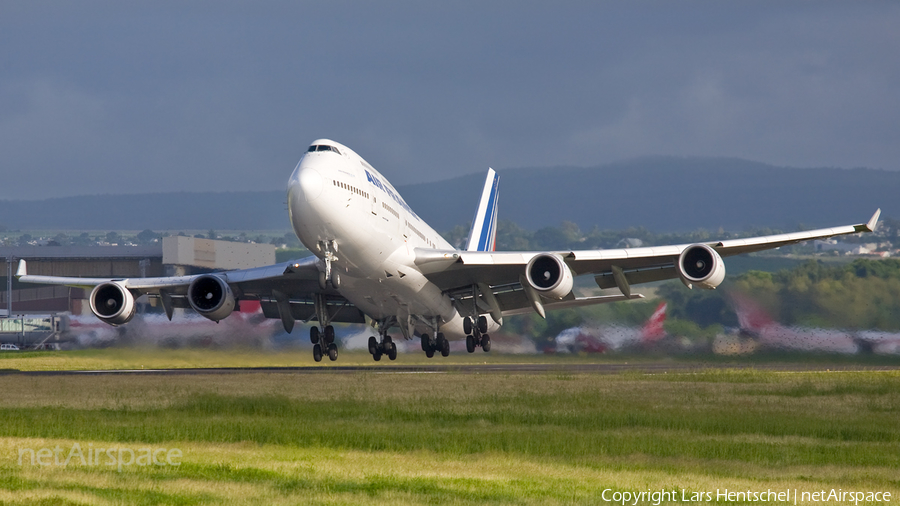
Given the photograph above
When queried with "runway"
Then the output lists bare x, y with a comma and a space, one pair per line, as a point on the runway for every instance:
649, 368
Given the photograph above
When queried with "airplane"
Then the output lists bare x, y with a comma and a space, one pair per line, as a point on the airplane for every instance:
376, 261
245, 326
587, 339
758, 326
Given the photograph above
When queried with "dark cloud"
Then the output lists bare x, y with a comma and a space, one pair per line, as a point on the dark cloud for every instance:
110, 97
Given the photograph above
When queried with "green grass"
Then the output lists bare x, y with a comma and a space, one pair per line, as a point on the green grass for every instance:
376, 438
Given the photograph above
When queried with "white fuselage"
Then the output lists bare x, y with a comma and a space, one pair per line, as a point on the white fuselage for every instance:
339, 204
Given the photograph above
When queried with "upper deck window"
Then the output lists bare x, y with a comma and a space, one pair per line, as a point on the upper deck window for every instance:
323, 147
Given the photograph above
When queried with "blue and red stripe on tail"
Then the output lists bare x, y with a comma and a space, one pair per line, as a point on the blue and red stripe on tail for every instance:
483, 235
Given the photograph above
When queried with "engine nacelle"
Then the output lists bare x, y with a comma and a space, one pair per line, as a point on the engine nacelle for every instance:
112, 303
701, 265
550, 276
211, 296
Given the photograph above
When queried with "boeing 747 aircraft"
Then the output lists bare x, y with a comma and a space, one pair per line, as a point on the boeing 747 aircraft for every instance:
375, 261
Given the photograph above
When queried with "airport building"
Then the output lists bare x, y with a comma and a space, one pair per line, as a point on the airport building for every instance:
174, 255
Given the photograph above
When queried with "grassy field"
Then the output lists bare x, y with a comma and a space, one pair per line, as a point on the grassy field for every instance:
399, 438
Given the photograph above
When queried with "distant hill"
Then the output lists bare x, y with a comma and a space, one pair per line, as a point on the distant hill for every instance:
662, 194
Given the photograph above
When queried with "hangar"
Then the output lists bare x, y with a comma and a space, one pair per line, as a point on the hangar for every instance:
174, 255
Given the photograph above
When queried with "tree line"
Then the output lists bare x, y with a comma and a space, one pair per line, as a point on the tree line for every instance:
861, 295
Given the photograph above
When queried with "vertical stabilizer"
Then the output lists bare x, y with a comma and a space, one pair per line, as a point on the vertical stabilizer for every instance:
484, 226
751, 316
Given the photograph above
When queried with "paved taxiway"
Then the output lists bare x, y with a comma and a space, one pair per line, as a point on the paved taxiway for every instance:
639, 368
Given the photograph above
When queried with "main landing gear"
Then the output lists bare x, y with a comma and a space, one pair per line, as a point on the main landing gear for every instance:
323, 341
476, 335
386, 346
439, 343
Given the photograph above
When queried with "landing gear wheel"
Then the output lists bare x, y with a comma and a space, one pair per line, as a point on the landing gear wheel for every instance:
329, 334
486, 343
445, 347
317, 353
467, 325
373, 345
429, 353
425, 342
392, 352
332, 352
335, 279
470, 344
322, 280
377, 355
482, 324
314, 335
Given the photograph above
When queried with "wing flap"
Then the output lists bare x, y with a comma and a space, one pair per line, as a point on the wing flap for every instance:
339, 310
576, 302
637, 276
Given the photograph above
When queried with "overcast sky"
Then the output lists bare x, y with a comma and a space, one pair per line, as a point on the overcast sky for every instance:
128, 97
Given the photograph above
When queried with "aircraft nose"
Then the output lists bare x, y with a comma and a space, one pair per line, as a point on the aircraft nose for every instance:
311, 183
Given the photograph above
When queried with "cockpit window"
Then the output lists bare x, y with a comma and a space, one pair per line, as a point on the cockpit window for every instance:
323, 147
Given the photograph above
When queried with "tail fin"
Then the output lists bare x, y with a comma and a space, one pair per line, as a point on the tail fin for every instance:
653, 330
751, 316
484, 226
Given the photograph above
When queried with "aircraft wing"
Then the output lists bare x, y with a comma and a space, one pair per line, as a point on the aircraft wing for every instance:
502, 273
294, 283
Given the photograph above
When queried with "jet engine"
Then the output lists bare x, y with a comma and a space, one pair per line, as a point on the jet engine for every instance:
701, 265
550, 276
211, 296
112, 303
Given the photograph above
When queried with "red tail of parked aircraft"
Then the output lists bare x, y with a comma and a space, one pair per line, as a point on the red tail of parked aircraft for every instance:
653, 330
586, 339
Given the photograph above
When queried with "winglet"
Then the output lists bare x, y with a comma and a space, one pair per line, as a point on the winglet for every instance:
484, 226
870, 226
873, 222
22, 270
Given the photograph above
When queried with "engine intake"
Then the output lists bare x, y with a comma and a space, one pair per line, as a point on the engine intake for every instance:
550, 276
701, 265
112, 303
211, 297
